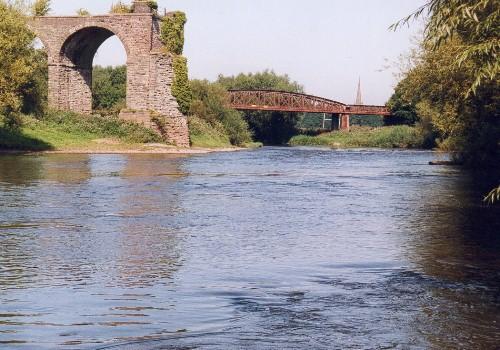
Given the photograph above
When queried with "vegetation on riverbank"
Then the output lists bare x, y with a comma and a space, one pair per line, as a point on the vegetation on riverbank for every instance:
272, 128
401, 136
452, 81
69, 131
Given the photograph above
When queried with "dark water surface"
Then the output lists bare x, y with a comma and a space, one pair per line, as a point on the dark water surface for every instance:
269, 249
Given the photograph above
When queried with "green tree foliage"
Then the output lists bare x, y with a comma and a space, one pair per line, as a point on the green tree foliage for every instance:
403, 112
210, 103
180, 86
109, 88
469, 125
373, 121
267, 127
172, 32
266, 80
476, 23
34, 92
40, 7
82, 12
463, 36
16, 60
313, 121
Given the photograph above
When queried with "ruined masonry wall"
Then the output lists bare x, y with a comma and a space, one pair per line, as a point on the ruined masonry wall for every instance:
162, 101
71, 43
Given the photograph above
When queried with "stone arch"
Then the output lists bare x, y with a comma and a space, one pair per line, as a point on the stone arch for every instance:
71, 43
86, 41
77, 54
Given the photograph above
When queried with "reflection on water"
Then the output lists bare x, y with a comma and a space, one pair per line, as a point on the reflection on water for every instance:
274, 248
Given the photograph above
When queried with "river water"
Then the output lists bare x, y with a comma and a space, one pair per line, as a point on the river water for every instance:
277, 248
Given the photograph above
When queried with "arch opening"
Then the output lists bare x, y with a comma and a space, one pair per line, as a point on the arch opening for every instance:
109, 77
90, 87
35, 94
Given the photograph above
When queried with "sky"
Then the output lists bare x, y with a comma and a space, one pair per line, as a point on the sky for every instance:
325, 45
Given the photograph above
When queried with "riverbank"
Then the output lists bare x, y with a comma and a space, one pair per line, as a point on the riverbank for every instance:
400, 136
74, 134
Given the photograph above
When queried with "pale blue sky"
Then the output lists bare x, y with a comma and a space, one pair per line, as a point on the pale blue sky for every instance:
323, 44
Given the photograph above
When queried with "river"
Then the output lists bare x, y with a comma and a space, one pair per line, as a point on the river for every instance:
277, 248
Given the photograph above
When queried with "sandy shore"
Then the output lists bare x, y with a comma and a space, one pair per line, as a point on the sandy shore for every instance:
136, 149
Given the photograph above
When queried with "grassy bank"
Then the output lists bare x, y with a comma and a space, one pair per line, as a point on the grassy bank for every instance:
205, 135
384, 137
68, 131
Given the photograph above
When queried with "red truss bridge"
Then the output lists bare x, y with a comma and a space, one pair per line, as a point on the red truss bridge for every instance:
281, 101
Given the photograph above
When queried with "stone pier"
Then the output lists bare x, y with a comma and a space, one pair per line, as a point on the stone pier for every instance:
71, 44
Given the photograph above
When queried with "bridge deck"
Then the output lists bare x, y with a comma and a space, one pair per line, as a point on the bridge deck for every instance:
282, 101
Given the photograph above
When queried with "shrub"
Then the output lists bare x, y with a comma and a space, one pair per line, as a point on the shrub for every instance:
121, 8
82, 12
385, 137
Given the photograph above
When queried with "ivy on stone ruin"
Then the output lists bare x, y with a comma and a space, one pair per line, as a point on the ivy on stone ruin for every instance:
172, 36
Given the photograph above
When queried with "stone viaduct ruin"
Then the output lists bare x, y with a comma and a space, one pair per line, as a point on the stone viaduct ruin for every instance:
71, 44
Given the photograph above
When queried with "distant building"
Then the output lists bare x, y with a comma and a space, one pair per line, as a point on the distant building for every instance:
359, 96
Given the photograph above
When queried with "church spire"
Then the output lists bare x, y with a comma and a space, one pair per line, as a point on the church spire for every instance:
359, 96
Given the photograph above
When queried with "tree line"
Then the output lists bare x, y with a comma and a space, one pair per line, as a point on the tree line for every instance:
451, 89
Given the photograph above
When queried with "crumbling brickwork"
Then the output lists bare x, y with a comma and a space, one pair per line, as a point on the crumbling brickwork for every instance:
71, 44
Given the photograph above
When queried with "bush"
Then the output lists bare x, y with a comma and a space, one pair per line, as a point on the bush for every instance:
121, 8
386, 137
82, 12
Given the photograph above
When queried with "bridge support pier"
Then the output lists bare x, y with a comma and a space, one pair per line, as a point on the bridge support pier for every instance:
71, 44
345, 122
335, 122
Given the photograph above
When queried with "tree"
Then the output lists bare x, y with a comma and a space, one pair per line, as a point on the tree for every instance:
109, 87
472, 29
267, 127
266, 80
35, 91
402, 110
475, 22
210, 103
16, 60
